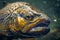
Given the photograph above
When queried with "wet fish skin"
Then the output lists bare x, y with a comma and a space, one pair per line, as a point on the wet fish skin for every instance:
13, 18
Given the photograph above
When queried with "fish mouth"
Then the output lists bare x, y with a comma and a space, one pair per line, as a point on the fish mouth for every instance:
40, 29
41, 26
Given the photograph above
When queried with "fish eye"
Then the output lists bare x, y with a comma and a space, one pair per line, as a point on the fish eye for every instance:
29, 18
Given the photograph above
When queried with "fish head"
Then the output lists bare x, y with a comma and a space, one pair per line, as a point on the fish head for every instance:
25, 20
31, 22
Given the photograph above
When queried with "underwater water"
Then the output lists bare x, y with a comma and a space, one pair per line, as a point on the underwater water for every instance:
50, 8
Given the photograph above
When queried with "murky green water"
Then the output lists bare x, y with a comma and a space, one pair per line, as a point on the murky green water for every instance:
50, 8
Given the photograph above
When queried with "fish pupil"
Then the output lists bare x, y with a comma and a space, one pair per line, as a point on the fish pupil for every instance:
29, 17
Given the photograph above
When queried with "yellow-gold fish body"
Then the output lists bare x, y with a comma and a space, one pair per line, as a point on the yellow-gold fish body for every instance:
20, 18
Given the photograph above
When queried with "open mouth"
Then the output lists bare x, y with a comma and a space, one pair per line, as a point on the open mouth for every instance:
41, 26
40, 29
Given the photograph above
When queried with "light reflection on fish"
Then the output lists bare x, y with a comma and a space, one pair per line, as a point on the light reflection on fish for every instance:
23, 20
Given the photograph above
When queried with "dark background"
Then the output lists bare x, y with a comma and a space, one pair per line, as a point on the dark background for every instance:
50, 8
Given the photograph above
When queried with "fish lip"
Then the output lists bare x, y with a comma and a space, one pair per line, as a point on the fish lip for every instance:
38, 29
45, 29
40, 25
